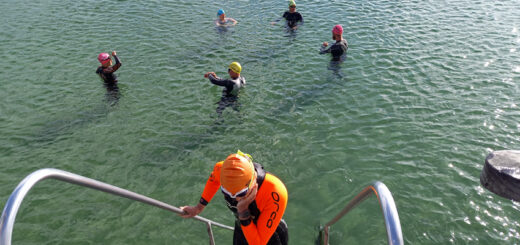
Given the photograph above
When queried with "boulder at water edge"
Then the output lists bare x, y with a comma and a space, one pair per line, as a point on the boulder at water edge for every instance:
501, 174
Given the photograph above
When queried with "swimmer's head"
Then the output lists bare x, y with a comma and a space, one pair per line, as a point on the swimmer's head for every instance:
292, 4
220, 12
338, 30
235, 67
104, 58
237, 175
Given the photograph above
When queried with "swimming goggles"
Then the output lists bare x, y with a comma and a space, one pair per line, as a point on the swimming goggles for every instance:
241, 193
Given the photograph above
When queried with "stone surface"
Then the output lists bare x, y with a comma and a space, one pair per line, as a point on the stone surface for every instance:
501, 174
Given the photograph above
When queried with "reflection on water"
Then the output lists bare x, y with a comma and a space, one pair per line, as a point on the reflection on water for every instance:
221, 30
112, 95
408, 102
53, 129
56, 128
226, 102
335, 65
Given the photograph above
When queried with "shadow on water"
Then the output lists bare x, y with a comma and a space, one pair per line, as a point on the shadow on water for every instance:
162, 153
335, 66
314, 91
54, 129
290, 33
226, 102
223, 30
112, 95
228, 113
228, 116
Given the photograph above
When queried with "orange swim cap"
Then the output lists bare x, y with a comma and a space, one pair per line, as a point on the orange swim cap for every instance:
236, 173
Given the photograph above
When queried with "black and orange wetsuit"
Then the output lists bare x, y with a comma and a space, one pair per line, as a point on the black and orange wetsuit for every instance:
107, 73
267, 226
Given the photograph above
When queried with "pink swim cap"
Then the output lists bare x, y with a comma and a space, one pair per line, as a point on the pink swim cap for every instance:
338, 29
103, 58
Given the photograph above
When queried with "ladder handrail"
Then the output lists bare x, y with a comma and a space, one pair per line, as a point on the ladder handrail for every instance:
15, 200
387, 204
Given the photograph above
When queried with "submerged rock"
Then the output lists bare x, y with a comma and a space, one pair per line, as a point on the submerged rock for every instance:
501, 174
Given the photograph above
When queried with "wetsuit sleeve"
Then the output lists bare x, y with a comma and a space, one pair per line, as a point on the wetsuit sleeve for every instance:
325, 50
220, 81
283, 16
212, 184
271, 200
114, 67
117, 65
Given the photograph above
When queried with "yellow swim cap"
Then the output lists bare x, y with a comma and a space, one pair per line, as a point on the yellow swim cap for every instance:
236, 67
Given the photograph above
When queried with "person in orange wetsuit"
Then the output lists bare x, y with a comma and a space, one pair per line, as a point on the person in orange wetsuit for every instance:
257, 198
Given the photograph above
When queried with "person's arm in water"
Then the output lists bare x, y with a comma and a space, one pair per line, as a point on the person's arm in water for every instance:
114, 67
118, 62
212, 185
276, 21
218, 81
232, 20
324, 48
272, 201
217, 22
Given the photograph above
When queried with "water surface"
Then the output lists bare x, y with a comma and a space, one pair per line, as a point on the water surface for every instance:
428, 89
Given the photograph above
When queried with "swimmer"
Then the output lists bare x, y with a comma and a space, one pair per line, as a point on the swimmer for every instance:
231, 86
106, 70
222, 20
257, 198
292, 17
339, 48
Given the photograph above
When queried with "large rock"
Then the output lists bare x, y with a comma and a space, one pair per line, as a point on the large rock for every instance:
501, 174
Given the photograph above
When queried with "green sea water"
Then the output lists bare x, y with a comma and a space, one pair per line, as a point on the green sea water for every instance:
428, 89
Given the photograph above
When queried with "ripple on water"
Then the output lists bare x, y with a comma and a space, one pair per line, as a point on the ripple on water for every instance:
427, 90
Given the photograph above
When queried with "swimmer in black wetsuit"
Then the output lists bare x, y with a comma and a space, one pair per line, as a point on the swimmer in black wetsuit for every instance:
106, 72
231, 86
338, 49
292, 17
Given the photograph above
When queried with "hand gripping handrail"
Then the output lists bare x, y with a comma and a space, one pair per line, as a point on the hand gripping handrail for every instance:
386, 201
16, 198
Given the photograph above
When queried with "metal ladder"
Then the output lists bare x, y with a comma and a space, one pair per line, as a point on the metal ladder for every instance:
387, 204
16, 198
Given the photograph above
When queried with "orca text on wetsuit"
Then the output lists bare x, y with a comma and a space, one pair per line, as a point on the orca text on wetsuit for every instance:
267, 225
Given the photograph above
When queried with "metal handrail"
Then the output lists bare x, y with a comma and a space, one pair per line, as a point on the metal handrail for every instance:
16, 198
386, 201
